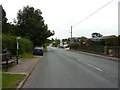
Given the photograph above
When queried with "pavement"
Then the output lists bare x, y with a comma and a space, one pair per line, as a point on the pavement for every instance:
25, 66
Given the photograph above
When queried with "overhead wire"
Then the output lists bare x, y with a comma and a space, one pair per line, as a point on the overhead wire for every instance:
93, 13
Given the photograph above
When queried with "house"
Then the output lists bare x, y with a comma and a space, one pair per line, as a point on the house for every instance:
80, 40
98, 40
105, 37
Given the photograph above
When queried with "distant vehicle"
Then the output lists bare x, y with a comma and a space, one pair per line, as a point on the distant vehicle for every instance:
66, 46
38, 51
63, 46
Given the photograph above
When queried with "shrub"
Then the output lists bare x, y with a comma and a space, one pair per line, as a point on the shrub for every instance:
25, 45
9, 42
112, 41
74, 45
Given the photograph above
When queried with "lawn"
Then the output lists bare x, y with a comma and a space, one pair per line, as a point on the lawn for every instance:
11, 80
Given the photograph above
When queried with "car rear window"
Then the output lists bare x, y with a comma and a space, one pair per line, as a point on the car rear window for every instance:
38, 48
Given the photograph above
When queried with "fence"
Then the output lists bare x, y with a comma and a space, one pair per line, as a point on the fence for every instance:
90, 48
113, 51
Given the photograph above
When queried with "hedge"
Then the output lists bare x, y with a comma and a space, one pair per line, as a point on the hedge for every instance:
74, 45
9, 42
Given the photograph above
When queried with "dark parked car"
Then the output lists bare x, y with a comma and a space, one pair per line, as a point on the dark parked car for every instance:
38, 51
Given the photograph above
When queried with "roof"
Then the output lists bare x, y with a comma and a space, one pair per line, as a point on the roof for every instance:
103, 37
78, 38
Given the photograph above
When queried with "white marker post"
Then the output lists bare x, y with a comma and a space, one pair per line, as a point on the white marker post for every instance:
17, 40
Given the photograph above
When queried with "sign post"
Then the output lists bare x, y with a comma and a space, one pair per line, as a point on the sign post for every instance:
17, 40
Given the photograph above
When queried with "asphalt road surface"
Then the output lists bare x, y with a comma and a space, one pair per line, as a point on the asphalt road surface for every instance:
60, 68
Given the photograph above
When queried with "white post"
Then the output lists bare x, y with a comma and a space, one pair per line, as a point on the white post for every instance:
17, 40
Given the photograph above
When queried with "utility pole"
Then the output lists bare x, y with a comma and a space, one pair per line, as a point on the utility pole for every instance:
71, 35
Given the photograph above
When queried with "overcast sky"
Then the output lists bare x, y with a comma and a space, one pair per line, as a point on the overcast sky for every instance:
60, 15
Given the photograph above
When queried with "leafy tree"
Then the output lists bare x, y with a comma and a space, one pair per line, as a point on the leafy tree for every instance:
83, 37
4, 21
52, 39
32, 25
56, 42
96, 35
8, 28
65, 40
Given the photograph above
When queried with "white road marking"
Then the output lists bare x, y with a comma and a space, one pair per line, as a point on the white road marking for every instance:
79, 60
98, 69
91, 66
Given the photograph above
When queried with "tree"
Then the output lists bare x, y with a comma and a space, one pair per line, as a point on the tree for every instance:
32, 25
8, 28
83, 37
65, 40
56, 43
4, 21
53, 39
96, 35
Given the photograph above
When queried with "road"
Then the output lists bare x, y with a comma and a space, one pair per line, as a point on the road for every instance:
60, 68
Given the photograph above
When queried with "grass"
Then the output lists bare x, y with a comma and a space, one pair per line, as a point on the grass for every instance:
27, 55
11, 80
0, 81
45, 48
4, 69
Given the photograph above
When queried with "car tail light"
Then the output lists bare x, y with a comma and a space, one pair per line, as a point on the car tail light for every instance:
34, 50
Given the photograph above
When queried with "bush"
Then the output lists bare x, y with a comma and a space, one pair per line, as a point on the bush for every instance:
74, 45
9, 42
112, 41
25, 45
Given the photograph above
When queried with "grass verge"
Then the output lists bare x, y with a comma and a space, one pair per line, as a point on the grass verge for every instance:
4, 69
0, 81
45, 49
27, 55
11, 80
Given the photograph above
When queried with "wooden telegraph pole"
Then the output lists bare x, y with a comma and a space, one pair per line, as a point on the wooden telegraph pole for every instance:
71, 36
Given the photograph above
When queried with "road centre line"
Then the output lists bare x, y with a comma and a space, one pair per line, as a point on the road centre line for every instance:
91, 66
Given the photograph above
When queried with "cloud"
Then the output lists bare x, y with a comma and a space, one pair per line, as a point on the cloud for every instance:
60, 15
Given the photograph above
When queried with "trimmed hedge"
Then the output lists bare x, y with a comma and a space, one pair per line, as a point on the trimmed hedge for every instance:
74, 45
9, 42
89, 48
111, 41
